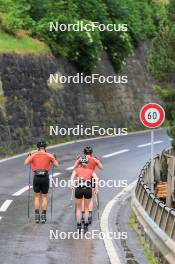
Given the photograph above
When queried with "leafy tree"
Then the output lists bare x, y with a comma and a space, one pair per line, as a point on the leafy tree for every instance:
65, 7
82, 48
119, 47
144, 19
137, 14
162, 56
172, 11
168, 97
39, 9
16, 15
162, 67
93, 10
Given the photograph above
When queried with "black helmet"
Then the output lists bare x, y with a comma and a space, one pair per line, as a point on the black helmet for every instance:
88, 150
41, 144
83, 160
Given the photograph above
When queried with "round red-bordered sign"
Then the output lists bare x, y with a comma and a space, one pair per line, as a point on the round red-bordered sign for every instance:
152, 115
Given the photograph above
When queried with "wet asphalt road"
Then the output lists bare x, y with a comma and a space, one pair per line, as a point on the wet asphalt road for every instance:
22, 241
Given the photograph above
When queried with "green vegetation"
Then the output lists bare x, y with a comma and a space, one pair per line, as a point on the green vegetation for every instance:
148, 253
162, 67
9, 43
144, 19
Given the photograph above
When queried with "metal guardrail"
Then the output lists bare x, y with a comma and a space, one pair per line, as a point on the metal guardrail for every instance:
161, 214
154, 218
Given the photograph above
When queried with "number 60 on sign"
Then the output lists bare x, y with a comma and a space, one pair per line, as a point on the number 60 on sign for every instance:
152, 115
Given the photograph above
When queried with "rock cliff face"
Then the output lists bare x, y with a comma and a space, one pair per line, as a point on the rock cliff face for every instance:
29, 105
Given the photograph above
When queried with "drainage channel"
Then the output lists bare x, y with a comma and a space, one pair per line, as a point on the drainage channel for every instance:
132, 251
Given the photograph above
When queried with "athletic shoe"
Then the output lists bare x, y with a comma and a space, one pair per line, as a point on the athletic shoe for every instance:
37, 218
43, 218
79, 227
85, 228
82, 218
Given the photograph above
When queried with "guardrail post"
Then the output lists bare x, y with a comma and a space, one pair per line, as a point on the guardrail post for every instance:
172, 230
149, 176
157, 169
170, 180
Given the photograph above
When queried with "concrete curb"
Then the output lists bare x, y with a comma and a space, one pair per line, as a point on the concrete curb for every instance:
113, 251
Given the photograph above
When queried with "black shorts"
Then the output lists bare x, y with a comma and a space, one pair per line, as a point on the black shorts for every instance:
41, 184
81, 193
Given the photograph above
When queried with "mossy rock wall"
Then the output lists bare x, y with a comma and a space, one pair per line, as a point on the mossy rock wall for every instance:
31, 105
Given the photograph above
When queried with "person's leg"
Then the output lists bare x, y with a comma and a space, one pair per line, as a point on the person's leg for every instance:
44, 201
90, 211
44, 207
82, 218
86, 209
78, 201
91, 205
78, 210
37, 207
87, 198
36, 201
36, 188
44, 191
79, 214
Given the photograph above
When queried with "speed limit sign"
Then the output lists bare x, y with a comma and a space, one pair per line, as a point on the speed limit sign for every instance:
152, 115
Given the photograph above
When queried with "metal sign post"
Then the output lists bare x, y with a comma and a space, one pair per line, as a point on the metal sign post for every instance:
152, 161
170, 181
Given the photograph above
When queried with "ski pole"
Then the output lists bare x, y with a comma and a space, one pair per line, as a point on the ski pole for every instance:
72, 195
97, 204
51, 210
30, 172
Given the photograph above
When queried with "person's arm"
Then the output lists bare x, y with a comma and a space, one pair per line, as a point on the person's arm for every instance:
28, 160
54, 161
94, 175
99, 164
76, 164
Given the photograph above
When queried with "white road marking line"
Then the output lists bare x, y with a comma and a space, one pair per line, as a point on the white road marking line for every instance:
21, 191
113, 256
149, 144
5, 205
55, 174
170, 139
115, 153
70, 168
0, 218
77, 141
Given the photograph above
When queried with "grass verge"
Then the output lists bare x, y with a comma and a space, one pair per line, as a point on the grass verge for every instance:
148, 253
24, 44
